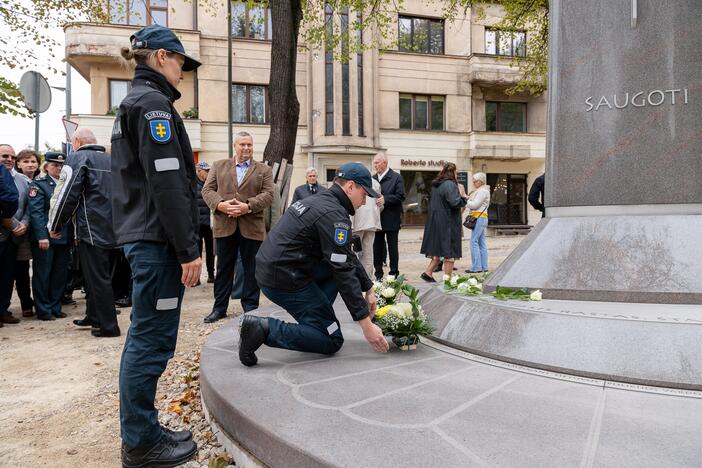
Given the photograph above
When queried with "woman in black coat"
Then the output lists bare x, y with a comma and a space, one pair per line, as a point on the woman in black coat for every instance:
442, 231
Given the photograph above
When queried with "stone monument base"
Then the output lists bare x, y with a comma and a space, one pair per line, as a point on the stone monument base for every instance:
650, 344
434, 407
652, 258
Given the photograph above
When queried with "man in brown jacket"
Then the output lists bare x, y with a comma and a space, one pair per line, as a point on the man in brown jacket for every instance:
237, 191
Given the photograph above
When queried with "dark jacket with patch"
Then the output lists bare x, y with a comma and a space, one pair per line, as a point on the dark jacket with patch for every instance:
40, 191
203, 209
153, 172
85, 189
314, 230
393, 189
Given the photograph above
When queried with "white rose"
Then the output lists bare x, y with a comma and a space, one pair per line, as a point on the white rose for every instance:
446, 278
454, 280
463, 288
388, 293
479, 286
535, 296
472, 281
405, 309
389, 278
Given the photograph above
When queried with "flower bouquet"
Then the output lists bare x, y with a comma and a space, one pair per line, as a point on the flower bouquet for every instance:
388, 290
467, 285
405, 322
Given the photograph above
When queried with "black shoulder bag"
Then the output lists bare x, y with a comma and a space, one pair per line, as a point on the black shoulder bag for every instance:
471, 220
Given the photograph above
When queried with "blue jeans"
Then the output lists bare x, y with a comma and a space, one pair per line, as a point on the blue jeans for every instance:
478, 246
157, 294
317, 329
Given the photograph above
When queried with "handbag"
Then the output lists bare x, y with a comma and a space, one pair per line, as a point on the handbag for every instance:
471, 220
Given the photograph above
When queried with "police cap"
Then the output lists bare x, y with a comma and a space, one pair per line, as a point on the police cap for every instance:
156, 36
359, 174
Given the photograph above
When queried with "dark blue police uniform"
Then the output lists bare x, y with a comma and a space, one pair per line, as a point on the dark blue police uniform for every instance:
49, 267
155, 217
302, 265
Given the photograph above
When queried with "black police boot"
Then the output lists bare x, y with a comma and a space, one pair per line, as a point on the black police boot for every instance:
252, 334
214, 316
84, 322
178, 436
165, 453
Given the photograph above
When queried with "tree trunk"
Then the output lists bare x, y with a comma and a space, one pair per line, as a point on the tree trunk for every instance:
284, 110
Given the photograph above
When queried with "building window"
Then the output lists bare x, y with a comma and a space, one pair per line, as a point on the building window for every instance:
253, 22
118, 91
345, 104
421, 112
505, 116
250, 103
359, 78
507, 199
422, 35
138, 12
329, 71
417, 196
508, 43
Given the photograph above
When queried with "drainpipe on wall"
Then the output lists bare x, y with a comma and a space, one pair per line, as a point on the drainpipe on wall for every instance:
230, 137
310, 105
196, 94
68, 90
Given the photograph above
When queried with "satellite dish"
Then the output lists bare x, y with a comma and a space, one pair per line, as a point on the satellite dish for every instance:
36, 92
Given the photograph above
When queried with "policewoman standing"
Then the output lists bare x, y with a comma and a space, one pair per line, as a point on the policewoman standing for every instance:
51, 255
155, 216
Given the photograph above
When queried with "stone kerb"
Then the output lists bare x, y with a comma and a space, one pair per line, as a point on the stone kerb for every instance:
633, 343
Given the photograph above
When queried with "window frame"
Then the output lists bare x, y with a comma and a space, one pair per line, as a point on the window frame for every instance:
497, 116
109, 90
430, 20
429, 112
512, 34
266, 104
149, 9
267, 33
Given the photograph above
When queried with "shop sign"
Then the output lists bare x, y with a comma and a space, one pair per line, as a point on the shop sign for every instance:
422, 162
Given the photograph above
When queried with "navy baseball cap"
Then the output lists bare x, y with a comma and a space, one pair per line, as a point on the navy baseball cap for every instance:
54, 157
160, 37
359, 174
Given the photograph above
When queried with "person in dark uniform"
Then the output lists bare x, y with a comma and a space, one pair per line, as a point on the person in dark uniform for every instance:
85, 189
536, 195
155, 217
309, 188
9, 198
205, 226
51, 255
306, 260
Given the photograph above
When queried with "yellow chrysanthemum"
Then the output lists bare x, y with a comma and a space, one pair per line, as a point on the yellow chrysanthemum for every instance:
382, 311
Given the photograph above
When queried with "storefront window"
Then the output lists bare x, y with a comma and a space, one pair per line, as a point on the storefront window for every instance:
417, 195
507, 199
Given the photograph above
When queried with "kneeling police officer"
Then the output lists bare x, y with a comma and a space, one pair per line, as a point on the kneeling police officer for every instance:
304, 262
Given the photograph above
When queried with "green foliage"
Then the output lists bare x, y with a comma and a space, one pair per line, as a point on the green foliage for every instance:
11, 101
191, 113
505, 294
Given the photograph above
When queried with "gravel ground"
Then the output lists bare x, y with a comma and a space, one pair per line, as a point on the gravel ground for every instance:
58, 384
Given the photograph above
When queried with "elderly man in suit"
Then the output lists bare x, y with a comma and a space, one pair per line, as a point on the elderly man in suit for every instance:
237, 191
393, 189
309, 188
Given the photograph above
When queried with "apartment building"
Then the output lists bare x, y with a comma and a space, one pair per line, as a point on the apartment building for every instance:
438, 96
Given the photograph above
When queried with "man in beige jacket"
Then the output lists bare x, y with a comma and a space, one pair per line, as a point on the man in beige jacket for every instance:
365, 222
237, 191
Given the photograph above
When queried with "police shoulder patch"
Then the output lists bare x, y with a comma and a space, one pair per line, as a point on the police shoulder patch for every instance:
299, 208
160, 130
33, 190
341, 236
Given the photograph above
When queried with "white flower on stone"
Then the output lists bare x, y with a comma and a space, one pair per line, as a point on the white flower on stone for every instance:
388, 293
463, 288
535, 296
472, 281
390, 278
479, 286
447, 277
454, 280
